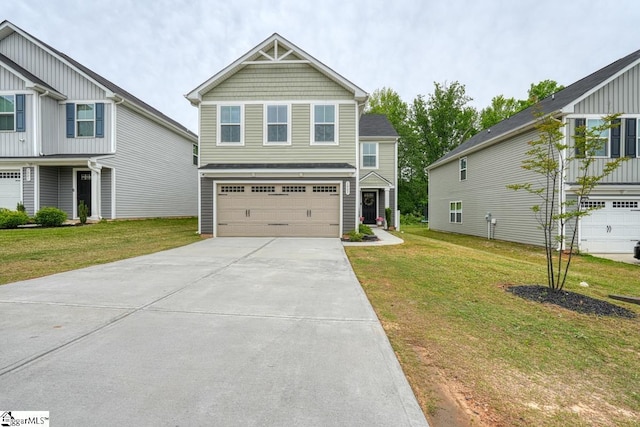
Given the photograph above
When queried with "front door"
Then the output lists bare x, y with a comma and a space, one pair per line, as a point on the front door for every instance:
369, 208
83, 188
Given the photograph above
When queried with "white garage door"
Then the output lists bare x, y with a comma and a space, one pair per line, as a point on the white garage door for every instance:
10, 189
615, 228
275, 210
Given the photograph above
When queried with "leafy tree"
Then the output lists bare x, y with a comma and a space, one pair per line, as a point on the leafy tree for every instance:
538, 92
549, 157
500, 109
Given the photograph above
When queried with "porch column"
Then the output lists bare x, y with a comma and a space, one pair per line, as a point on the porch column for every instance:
96, 196
386, 197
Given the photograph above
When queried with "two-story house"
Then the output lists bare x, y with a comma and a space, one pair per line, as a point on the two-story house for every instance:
286, 151
467, 187
68, 135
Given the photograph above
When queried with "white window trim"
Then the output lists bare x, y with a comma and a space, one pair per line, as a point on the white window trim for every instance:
77, 120
377, 145
336, 134
455, 211
265, 130
219, 126
460, 168
14, 113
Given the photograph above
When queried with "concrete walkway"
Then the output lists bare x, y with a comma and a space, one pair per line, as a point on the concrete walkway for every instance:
224, 332
385, 238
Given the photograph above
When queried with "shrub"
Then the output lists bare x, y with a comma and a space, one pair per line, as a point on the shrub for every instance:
50, 217
365, 229
12, 219
387, 216
20, 207
410, 218
83, 212
354, 236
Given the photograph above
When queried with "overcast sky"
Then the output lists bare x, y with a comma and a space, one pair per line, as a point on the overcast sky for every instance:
161, 49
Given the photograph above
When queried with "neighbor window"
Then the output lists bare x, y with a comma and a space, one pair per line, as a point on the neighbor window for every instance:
463, 169
7, 112
277, 124
455, 212
370, 155
324, 124
195, 154
85, 120
230, 124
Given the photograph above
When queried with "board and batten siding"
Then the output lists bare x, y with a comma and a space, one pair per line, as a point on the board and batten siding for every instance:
282, 82
28, 184
19, 144
489, 171
9, 81
300, 151
155, 176
51, 124
621, 95
627, 172
41, 63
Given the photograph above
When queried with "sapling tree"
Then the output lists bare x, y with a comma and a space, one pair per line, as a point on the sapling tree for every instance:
550, 156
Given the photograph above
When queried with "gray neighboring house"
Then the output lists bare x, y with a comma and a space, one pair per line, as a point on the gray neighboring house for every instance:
470, 181
287, 151
67, 134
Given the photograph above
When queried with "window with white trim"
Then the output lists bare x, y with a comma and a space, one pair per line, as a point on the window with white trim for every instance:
85, 120
230, 129
370, 155
603, 138
324, 124
277, 124
7, 113
463, 169
455, 212
195, 154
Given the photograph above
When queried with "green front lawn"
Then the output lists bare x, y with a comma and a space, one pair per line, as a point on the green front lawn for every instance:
29, 253
442, 301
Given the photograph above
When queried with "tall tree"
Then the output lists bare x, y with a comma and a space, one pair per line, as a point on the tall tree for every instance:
538, 92
500, 109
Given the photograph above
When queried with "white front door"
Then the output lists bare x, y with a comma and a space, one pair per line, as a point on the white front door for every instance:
613, 229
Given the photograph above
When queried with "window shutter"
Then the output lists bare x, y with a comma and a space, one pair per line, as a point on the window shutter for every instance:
579, 123
99, 120
71, 120
630, 138
20, 113
615, 138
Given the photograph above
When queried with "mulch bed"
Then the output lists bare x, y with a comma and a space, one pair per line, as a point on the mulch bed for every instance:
571, 301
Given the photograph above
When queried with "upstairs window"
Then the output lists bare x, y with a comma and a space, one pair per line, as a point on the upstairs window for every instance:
455, 212
277, 124
603, 138
195, 154
85, 120
370, 155
463, 169
230, 124
7, 113
324, 124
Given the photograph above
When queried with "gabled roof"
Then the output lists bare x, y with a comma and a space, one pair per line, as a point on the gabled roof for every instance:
375, 176
561, 102
376, 125
7, 28
285, 52
29, 78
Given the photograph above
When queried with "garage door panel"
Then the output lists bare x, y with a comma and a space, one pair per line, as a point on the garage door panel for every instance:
10, 190
615, 228
278, 210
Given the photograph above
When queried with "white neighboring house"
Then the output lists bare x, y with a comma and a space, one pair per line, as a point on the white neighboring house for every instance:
68, 135
470, 182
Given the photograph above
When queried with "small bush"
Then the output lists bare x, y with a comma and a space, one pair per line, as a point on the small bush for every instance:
12, 219
20, 207
354, 236
410, 218
50, 217
387, 216
83, 212
365, 229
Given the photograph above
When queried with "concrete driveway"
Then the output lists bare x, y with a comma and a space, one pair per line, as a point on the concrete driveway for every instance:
251, 332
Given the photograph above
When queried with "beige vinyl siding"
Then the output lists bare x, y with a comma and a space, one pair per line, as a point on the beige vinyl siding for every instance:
628, 172
19, 144
386, 161
40, 63
372, 180
300, 150
488, 173
9, 81
282, 82
618, 96
155, 176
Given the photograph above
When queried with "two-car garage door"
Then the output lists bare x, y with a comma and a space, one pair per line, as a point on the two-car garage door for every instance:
274, 210
10, 189
613, 228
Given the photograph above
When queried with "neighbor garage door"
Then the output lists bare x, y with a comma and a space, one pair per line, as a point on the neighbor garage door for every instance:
614, 228
10, 189
294, 210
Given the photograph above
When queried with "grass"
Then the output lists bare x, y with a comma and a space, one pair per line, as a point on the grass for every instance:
442, 301
29, 253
